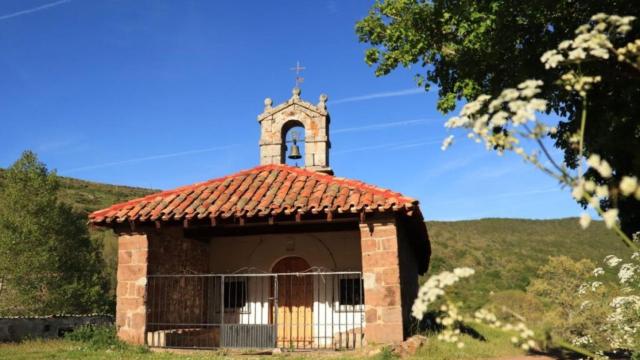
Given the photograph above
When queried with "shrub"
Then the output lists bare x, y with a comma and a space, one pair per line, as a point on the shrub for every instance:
516, 305
97, 337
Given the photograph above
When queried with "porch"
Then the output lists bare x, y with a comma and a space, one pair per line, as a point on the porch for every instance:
288, 310
298, 285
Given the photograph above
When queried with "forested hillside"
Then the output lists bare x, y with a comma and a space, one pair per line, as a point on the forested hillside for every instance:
507, 252
504, 252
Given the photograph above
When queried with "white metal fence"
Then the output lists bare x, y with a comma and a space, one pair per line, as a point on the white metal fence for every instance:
309, 310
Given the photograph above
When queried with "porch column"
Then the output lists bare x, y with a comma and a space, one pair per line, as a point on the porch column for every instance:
381, 273
133, 250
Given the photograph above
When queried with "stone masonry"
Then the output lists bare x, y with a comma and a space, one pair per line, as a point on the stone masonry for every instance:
381, 273
394, 243
164, 252
276, 121
133, 250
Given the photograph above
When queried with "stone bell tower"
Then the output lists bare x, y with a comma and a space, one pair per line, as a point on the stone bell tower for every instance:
276, 121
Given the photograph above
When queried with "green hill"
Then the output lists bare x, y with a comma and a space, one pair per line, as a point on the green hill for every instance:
87, 196
504, 252
507, 252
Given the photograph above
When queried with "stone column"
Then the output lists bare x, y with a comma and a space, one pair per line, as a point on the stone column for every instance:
381, 272
131, 320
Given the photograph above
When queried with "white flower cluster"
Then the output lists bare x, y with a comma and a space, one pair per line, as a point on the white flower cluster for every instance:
489, 119
600, 165
433, 288
628, 272
582, 340
449, 320
624, 320
447, 142
573, 81
630, 53
612, 260
598, 272
629, 186
592, 40
593, 193
593, 286
523, 335
622, 326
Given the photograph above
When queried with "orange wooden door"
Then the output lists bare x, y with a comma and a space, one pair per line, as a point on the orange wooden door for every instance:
295, 304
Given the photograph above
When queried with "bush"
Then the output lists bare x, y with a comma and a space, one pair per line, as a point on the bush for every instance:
97, 337
514, 306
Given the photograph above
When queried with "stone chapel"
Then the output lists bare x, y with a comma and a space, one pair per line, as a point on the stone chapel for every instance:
275, 256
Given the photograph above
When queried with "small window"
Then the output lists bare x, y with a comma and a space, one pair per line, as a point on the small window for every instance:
235, 294
351, 292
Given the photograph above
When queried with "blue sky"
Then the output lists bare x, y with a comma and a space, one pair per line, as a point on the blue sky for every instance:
165, 93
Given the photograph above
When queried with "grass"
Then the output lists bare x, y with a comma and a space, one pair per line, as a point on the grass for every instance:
96, 347
68, 349
497, 344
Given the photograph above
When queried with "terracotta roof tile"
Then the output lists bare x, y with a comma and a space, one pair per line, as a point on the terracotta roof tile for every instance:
263, 190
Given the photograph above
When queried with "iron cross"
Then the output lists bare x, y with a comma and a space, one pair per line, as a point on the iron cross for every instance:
298, 69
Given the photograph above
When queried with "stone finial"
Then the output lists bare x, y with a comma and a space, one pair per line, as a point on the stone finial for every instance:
296, 93
267, 104
322, 104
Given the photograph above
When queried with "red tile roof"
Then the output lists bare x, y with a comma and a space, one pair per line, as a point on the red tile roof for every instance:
263, 190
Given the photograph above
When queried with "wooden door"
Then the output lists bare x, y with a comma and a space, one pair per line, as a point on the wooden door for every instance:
295, 304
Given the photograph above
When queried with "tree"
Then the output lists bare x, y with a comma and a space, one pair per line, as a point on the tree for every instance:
469, 47
579, 309
48, 263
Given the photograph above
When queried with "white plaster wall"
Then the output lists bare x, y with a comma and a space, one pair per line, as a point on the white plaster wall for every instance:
328, 251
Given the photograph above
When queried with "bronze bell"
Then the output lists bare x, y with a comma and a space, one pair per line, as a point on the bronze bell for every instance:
294, 154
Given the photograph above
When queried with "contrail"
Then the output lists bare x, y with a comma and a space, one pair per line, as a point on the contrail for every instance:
32, 10
146, 158
390, 146
387, 94
382, 125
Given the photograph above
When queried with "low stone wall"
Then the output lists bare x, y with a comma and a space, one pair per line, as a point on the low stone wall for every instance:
19, 328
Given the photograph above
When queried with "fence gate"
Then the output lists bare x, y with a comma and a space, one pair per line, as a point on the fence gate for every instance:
285, 310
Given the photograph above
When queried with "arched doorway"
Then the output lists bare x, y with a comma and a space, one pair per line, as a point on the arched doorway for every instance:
295, 303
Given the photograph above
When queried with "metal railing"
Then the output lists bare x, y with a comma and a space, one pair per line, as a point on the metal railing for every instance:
292, 311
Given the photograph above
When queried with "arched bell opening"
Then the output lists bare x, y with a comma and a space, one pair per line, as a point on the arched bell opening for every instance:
293, 141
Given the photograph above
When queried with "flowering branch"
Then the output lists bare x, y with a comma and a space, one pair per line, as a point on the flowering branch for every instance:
498, 123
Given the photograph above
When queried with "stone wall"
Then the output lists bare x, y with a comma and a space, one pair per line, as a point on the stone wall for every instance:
133, 251
18, 328
381, 273
170, 252
142, 299
176, 300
